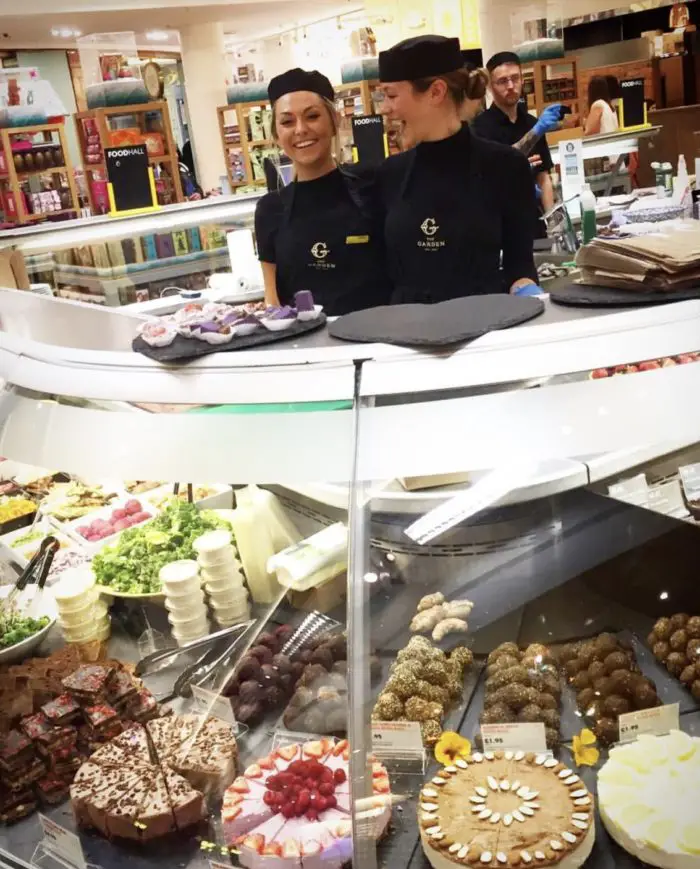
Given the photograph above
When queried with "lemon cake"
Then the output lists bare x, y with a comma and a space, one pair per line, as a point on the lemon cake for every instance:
649, 799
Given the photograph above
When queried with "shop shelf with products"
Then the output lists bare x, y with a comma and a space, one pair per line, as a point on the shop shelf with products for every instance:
37, 181
354, 98
498, 598
552, 81
246, 138
148, 124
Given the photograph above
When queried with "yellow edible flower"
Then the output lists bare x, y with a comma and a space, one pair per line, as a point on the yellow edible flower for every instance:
451, 746
584, 750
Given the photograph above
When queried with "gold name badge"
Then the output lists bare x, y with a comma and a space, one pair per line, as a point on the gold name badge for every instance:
357, 239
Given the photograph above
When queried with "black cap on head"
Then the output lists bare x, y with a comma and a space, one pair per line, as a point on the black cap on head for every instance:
300, 80
420, 57
501, 58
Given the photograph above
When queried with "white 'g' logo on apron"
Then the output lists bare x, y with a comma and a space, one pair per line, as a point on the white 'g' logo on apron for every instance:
429, 226
320, 250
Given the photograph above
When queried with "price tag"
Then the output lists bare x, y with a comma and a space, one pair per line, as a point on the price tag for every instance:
514, 737
210, 703
62, 843
667, 498
659, 720
633, 491
396, 738
214, 865
690, 478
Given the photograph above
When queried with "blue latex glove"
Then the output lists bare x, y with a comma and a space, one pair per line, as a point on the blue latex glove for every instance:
529, 290
549, 120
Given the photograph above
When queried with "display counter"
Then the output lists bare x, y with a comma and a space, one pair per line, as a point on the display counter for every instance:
122, 260
432, 616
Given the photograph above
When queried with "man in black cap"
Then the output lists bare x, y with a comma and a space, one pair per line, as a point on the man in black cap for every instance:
508, 120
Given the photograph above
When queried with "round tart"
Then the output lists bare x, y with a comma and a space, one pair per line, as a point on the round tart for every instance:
648, 794
506, 809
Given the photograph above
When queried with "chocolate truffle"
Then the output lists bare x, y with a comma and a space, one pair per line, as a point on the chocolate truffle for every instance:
282, 663
403, 686
248, 712
606, 729
571, 668
249, 669
622, 682
434, 673
250, 691
693, 627
680, 620
679, 640
269, 640
661, 650
615, 661
499, 713
693, 650
431, 732
604, 686
585, 698
262, 653
388, 706
581, 680
517, 675
515, 695
273, 696
567, 652
269, 674
551, 718
546, 701
645, 697
687, 677
675, 663
596, 670
530, 713
322, 656
663, 628
605, 644
614, 705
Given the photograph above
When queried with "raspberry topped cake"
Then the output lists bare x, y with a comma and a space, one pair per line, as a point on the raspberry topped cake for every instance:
506, 809
294, 806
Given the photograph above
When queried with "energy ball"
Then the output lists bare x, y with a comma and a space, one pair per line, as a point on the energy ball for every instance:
596, 670
606, 729
604, 686
262, 653
437, 694
419, 642
423, 689
403, 686
651, 640
282, 663
506, 649
614, 705
622, 682
515, 696
499, 713
546, 701
551, 718
571, 668
431, 732
693, 627
675, 663
661, 650
645, 697
416, 654
438, 656
530, 713
407, 668
663, 628
249, 669
502, 662
687, 677
680, 620
695, 689
517, 675
250, 691
434, 673
322, 656
679, 640
550, 684
605, 644
417, 709
552, 737
585, 698
531, 695
454, 689
567, 652
388, 706
581, 680
273, 696
615, 661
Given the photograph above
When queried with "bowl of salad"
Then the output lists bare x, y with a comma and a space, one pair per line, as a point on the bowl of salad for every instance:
25, 624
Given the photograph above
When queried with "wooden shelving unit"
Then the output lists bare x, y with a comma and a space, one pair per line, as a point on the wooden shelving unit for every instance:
240, 146
355, 98
168, 186
24, 177
543, 90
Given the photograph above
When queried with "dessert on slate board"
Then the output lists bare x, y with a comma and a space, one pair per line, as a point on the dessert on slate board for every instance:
523, 686
648, 797
608, 682
424, 683
294, 806
506, 809
675, 642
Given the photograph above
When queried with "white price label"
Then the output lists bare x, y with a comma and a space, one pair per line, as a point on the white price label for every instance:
210, 703
659, 720
514, 737
214, 865
62, 843
397, 737
690, 477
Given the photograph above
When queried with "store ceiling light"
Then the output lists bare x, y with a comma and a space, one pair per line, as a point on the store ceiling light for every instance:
65, 32
157, 35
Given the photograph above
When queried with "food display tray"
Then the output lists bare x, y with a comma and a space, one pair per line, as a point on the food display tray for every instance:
183, 349
586, 296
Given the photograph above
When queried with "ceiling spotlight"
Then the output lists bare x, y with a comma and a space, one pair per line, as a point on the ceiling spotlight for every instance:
157, 35
65, 32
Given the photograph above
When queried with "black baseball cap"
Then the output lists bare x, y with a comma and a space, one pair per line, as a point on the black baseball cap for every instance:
300, 80
501, 58
420, 57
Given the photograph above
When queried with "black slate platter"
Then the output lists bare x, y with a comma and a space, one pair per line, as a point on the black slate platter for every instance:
585, 296
436, 325
185, 349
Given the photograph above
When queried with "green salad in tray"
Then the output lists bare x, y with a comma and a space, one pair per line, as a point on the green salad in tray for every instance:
132, 565
14, 627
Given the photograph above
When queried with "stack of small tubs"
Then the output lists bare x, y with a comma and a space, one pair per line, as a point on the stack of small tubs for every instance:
184, 600
83, 617
222, 578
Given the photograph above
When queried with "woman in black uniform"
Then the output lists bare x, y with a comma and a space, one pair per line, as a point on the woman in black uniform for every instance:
319, 233
455, 206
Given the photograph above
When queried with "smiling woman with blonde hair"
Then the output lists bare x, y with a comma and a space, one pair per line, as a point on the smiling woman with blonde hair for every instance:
319, 233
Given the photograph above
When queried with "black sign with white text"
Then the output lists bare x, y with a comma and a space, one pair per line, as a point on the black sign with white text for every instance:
368, 137
127, 170
632, 95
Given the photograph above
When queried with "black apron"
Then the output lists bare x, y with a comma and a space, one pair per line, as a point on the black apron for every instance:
332, 248
443, 241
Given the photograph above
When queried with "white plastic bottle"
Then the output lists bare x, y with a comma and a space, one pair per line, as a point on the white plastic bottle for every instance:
589, 228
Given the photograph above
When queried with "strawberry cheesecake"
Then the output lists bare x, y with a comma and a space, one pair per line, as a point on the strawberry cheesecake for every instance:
291, 809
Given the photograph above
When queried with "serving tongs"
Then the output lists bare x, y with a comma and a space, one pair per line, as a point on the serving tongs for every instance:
203, 668
36, 571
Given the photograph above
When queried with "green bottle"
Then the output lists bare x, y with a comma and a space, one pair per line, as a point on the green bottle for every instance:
589, 228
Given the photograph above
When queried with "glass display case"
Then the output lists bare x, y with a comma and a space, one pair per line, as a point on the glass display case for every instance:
122, 261
446, 639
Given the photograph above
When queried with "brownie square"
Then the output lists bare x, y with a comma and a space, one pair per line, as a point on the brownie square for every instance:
89, 681
100, 717
15, 750
27, 775
142, 707
52, 790
15, 806
62, 710
59, 739
121, 688
35, 726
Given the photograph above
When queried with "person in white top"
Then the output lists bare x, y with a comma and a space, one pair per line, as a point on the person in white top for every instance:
602, 118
